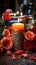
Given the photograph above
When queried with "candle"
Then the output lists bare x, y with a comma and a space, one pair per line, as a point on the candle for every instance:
17, 35
18, 20
21, 14
14, 14
17, 12
18, 26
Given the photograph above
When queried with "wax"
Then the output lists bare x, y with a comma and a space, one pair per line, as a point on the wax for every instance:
17, 35
18, 26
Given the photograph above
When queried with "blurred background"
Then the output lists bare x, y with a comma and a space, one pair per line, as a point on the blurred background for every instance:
22, 5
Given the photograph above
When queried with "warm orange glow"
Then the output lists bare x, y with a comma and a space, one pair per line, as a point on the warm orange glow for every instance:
18, 26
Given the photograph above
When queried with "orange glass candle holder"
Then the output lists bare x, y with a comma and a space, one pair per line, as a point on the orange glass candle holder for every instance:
17, 35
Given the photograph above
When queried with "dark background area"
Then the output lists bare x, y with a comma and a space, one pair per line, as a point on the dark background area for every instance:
4, 4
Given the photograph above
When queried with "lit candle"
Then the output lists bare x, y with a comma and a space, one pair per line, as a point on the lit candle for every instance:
17, 12
17, 35
14, 14
18, 20
21, 14
18, 26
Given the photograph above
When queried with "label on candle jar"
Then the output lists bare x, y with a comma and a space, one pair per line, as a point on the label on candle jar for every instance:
17, 39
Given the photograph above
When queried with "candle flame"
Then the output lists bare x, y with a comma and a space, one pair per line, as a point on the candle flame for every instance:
18, 20
17, 12
21, 13
14, 14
